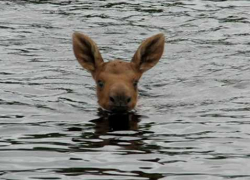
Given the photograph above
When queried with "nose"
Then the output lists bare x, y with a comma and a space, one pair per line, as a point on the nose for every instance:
120, 102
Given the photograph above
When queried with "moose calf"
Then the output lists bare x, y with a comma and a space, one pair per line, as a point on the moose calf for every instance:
117, 80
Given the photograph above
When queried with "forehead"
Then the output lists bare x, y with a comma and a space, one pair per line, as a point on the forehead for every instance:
118, 69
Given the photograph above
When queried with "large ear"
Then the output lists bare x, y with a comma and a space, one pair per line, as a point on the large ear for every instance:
149, 52
86, 52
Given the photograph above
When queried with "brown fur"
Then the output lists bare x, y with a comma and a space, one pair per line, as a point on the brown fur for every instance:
117, 80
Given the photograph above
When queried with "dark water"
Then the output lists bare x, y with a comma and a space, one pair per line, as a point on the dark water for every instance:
193, 117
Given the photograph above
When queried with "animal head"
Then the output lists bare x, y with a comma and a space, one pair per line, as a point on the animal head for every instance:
117, 80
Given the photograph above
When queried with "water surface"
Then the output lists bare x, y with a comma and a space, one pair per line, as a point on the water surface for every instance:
192, 120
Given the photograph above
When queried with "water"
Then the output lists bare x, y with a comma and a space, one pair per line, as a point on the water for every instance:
192, 121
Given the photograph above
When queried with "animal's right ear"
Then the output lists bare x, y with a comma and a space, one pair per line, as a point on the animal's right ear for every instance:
86, 52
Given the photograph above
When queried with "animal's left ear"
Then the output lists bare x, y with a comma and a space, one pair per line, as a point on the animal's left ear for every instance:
149, 52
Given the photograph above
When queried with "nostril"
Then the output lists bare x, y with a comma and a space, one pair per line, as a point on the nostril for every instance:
128, 100
112, 99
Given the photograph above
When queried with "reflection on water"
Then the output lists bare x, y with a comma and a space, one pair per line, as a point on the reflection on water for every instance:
116, 122
192, 119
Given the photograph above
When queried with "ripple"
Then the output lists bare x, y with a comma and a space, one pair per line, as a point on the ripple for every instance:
192, 116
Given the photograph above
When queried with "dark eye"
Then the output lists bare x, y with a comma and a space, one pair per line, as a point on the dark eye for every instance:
100, 83
135, 84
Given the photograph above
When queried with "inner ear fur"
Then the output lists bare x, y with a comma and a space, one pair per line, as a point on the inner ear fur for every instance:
149, 52
86, 52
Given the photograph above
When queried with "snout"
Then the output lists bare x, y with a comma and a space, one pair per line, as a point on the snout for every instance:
118, 97
120, 103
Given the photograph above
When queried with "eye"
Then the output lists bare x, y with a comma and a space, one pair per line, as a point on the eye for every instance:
135, 84
100, 83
